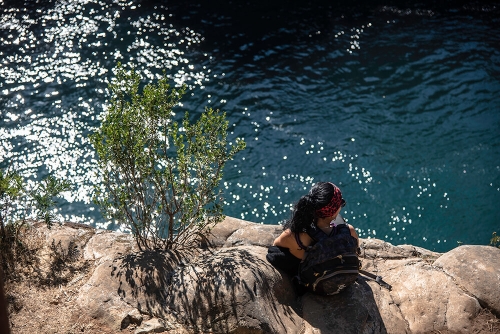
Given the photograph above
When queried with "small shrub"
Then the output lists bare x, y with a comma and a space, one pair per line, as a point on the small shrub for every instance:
16, 246
44, 197
159, 178
495, 240
11, 189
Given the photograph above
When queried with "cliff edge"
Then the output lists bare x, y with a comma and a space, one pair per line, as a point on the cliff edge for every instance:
96, 281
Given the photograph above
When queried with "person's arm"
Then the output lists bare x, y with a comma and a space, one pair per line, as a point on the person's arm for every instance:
353, 233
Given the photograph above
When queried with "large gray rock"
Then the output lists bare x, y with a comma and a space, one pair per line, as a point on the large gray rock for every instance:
236, 232
477, 270
234, 290
422, 300
99, 297
355, 310
429, 300
67, 239
132, 281
376, 248
107, 245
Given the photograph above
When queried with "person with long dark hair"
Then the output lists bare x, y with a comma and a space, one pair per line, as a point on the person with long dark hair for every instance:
319, 209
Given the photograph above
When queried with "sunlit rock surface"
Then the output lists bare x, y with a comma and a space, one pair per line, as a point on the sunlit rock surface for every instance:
232, 288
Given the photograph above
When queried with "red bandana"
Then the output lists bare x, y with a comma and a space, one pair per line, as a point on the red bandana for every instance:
332, 207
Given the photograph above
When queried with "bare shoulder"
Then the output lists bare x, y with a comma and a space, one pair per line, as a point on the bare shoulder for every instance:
284, 239
288, 240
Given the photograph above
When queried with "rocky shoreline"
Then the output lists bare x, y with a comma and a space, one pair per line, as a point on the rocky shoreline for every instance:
107, 286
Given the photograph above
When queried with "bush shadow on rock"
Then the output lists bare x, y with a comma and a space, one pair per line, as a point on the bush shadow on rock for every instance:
143, 278
235, 290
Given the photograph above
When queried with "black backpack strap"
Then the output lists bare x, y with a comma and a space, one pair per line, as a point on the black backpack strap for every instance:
376, 278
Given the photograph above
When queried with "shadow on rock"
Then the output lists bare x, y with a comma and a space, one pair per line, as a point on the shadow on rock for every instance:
234, 290
144, 276
353, 311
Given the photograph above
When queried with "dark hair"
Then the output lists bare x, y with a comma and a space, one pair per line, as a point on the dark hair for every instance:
304, 211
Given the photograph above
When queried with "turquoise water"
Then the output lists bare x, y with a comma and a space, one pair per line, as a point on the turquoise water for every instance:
398, 105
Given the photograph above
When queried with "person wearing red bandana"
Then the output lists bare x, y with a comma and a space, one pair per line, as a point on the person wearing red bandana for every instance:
319, 208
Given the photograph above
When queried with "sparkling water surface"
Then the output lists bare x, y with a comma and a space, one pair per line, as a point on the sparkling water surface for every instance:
398, 105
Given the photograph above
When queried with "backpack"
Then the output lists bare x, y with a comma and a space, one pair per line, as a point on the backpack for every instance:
331, 263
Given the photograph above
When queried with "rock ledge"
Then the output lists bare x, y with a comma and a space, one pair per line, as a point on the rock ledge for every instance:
233, 289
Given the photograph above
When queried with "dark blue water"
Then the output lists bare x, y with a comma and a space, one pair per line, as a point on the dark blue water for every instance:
397, 104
